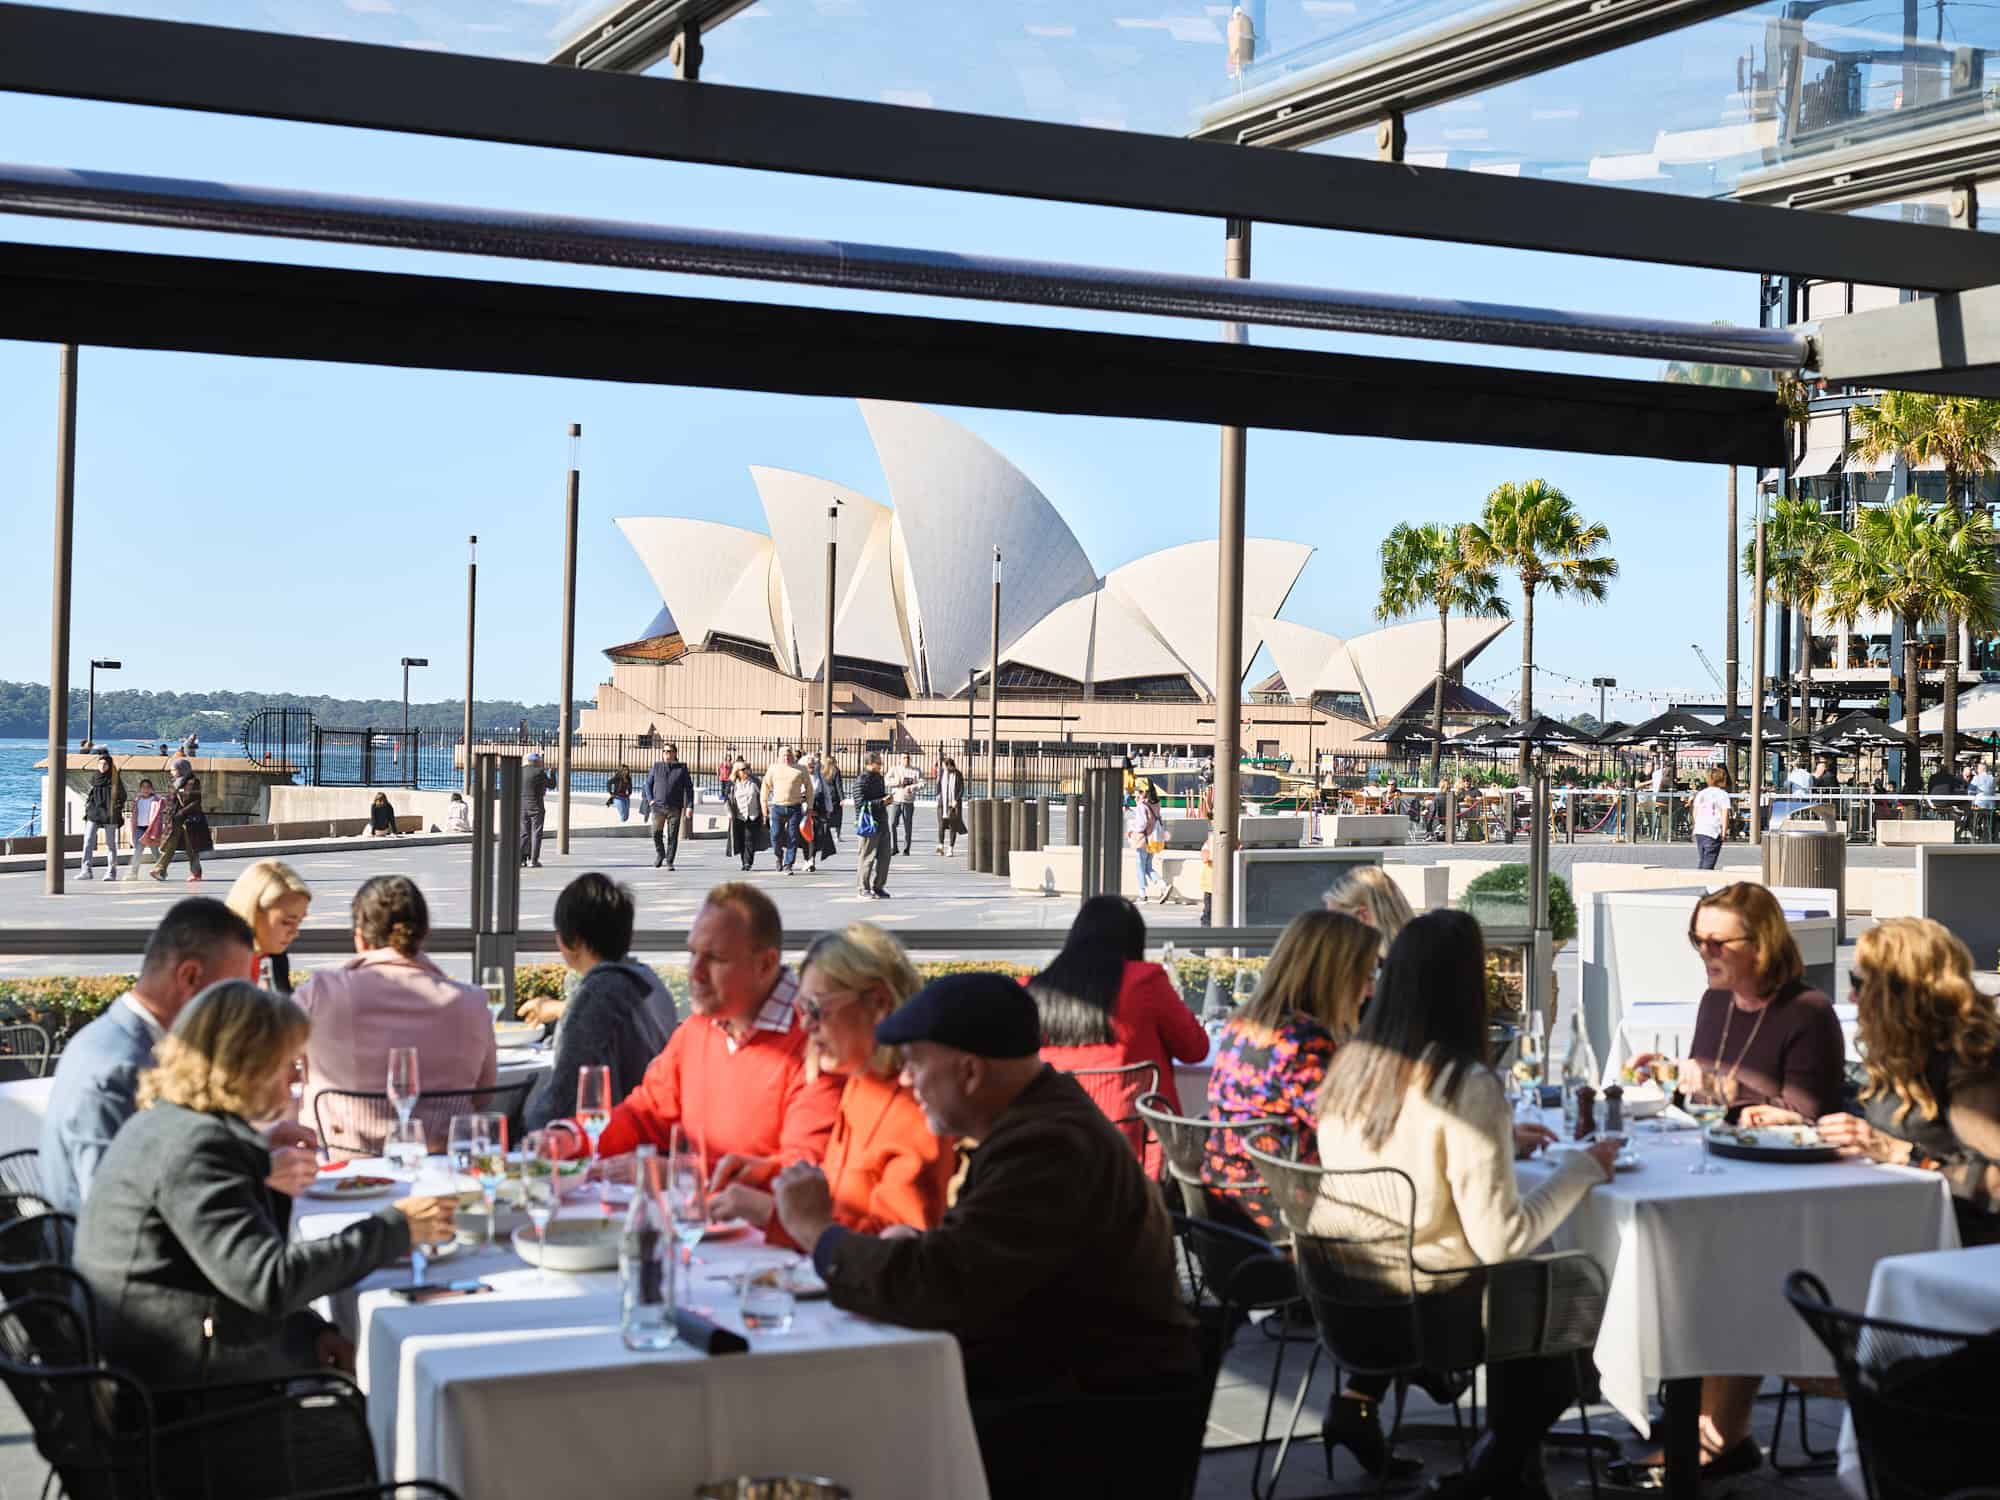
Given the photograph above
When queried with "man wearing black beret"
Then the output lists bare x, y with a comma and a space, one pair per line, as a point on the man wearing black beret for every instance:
1054, 1268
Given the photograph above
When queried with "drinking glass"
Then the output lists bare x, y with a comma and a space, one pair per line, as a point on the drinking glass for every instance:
407, 1146
1708, 1102
434, 1180
540, 1184
1528, 1075
687, 1195
767, 1304
405, 1085
593, 1106
493, 980
459, 1142
489, 1163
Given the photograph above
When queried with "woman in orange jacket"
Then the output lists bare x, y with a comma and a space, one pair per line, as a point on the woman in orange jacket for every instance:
883, 1164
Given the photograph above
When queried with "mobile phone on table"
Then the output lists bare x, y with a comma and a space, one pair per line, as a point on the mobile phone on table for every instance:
436, 1291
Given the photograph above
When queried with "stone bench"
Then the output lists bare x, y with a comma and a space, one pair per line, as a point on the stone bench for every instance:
1349, 830
1900, 832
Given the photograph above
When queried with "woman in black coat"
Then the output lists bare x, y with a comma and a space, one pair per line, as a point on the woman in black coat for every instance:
183, 1238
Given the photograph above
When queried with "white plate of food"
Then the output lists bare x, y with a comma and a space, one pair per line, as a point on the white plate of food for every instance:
516, 1033
572, 1245
353, 1187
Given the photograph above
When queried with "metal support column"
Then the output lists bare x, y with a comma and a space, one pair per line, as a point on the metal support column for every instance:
479, 772
55, 824
1541, 969
563, 736
1228, 678
993, 688
1103, 830
471, 616
497, 887
1757, 679
826, 661
1732, 608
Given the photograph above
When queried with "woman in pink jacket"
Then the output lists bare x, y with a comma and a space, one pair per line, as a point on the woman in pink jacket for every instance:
390, 995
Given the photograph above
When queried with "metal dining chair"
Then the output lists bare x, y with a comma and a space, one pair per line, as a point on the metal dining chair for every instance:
358, 1122
38, 1239
1921, 1399
25, 1051
1115, 1090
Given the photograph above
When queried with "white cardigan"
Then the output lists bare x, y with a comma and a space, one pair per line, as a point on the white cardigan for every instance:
1461, 1158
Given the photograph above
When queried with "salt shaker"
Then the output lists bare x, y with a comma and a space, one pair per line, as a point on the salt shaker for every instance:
1614, 1110
1586, 1112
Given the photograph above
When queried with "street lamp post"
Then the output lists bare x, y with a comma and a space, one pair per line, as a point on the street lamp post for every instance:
1601, 683
90, 708
471, 614
993, 691
409, 750
569, 638
1757, 673
826, 663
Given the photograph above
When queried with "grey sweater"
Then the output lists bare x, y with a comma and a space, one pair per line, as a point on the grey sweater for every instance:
620, 1017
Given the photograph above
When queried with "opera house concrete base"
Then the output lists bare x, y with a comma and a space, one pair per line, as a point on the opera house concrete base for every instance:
1121, 661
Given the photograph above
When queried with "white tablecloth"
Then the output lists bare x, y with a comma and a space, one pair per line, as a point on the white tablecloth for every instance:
499, 1394
23, 1103
1956, 1290
1698, 1264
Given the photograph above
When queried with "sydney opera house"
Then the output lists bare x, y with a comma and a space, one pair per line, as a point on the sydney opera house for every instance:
1122, 661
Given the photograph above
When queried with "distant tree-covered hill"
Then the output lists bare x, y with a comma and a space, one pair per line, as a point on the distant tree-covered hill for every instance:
126, 714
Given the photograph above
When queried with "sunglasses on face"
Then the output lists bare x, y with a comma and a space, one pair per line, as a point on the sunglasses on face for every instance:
1710, 947
814, 1012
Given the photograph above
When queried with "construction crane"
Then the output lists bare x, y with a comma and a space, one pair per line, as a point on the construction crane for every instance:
1709, 667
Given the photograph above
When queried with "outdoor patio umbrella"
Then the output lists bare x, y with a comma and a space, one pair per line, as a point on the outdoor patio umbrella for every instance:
1402, 732
1488, 734
1861, 730
1612, 733
1669, 729
1540, 730
1736, 730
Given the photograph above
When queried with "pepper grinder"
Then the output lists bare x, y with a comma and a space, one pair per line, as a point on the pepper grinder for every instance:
1586, 1112
1614, 1110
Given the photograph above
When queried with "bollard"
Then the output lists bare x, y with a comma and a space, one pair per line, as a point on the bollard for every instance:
1003, 838
1073, 818
979, 835
1041, 822
1017, 824
1569, 817
1451, 815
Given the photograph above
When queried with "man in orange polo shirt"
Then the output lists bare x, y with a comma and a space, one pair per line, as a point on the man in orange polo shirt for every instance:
734, 1076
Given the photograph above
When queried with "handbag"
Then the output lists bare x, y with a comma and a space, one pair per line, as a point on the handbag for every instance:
808, 828
865, 824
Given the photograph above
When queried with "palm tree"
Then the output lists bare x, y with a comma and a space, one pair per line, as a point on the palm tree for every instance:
1909, 561
1533, 531
1799, 553
1959, 434
1435, 566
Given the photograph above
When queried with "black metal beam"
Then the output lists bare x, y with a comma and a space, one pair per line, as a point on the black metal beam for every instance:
267, 75
1950, 345
125, 299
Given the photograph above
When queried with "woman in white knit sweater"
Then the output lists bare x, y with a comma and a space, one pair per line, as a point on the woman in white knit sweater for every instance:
1412, 1091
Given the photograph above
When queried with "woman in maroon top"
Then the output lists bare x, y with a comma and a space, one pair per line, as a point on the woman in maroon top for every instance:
1103, 1006
1774, 1047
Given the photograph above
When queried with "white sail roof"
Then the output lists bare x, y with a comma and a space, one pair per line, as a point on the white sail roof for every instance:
795, 507
1398, 663
713, 577
1163, 586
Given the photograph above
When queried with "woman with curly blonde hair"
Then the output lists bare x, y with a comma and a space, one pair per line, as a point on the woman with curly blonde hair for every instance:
182, 1239
1929, 1042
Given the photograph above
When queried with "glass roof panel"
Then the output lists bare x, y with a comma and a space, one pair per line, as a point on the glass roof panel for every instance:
1698, 111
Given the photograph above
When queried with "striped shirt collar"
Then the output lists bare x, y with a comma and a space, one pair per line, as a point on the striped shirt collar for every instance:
778, 1013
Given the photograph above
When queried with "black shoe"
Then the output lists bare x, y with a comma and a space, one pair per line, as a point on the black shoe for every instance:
1356, 1425
658, 860
1740, 1458
881, 895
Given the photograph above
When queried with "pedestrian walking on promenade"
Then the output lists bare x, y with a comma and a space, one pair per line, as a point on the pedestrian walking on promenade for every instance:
903, 784
1711, 818
186, 824
145, 827
819, 842
534, 809
871, 821
746, 816
669, 794
786, 790
951, 807
836, 794
618, 793
103, 812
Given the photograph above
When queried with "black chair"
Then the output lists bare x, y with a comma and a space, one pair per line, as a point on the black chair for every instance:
38, 1239
108, 1437
21, 1193
1224, 1256
1921, 1399
1380, 1313
25, 1051
1115, 1091
357, 1122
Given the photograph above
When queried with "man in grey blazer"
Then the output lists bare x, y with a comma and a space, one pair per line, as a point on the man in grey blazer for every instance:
197, 943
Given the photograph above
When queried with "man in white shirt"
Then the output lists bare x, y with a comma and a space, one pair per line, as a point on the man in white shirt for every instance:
1800, 778
1711, 818
1984, 798
903, 783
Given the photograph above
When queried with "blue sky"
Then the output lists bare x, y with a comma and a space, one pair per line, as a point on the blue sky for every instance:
273, 525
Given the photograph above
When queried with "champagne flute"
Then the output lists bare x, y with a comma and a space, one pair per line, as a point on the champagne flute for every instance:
539, 1188
593, 1109
1528, 1073
493, 980
405, 1082
407, 1146
687, 1195
489, 1164
1708, 1102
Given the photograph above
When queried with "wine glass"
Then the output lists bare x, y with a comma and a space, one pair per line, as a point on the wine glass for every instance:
406, 1146
593, 1103
489, 1163
540, 1184
493, 980
405, 1082
1528, 1074
1708, 1102
687, 1195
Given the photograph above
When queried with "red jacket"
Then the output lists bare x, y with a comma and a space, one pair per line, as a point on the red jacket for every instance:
883, 1165
751, 1098
1150, 1024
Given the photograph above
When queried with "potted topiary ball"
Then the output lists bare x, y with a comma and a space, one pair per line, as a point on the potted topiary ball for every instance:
1500, 898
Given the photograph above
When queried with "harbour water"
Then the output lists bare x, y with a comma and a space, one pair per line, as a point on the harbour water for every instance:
20, 784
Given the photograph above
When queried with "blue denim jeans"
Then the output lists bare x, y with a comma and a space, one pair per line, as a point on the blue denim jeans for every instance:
785, 835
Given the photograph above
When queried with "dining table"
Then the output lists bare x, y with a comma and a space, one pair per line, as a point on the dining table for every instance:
1697, 1265
1957, 1291
503, 1392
